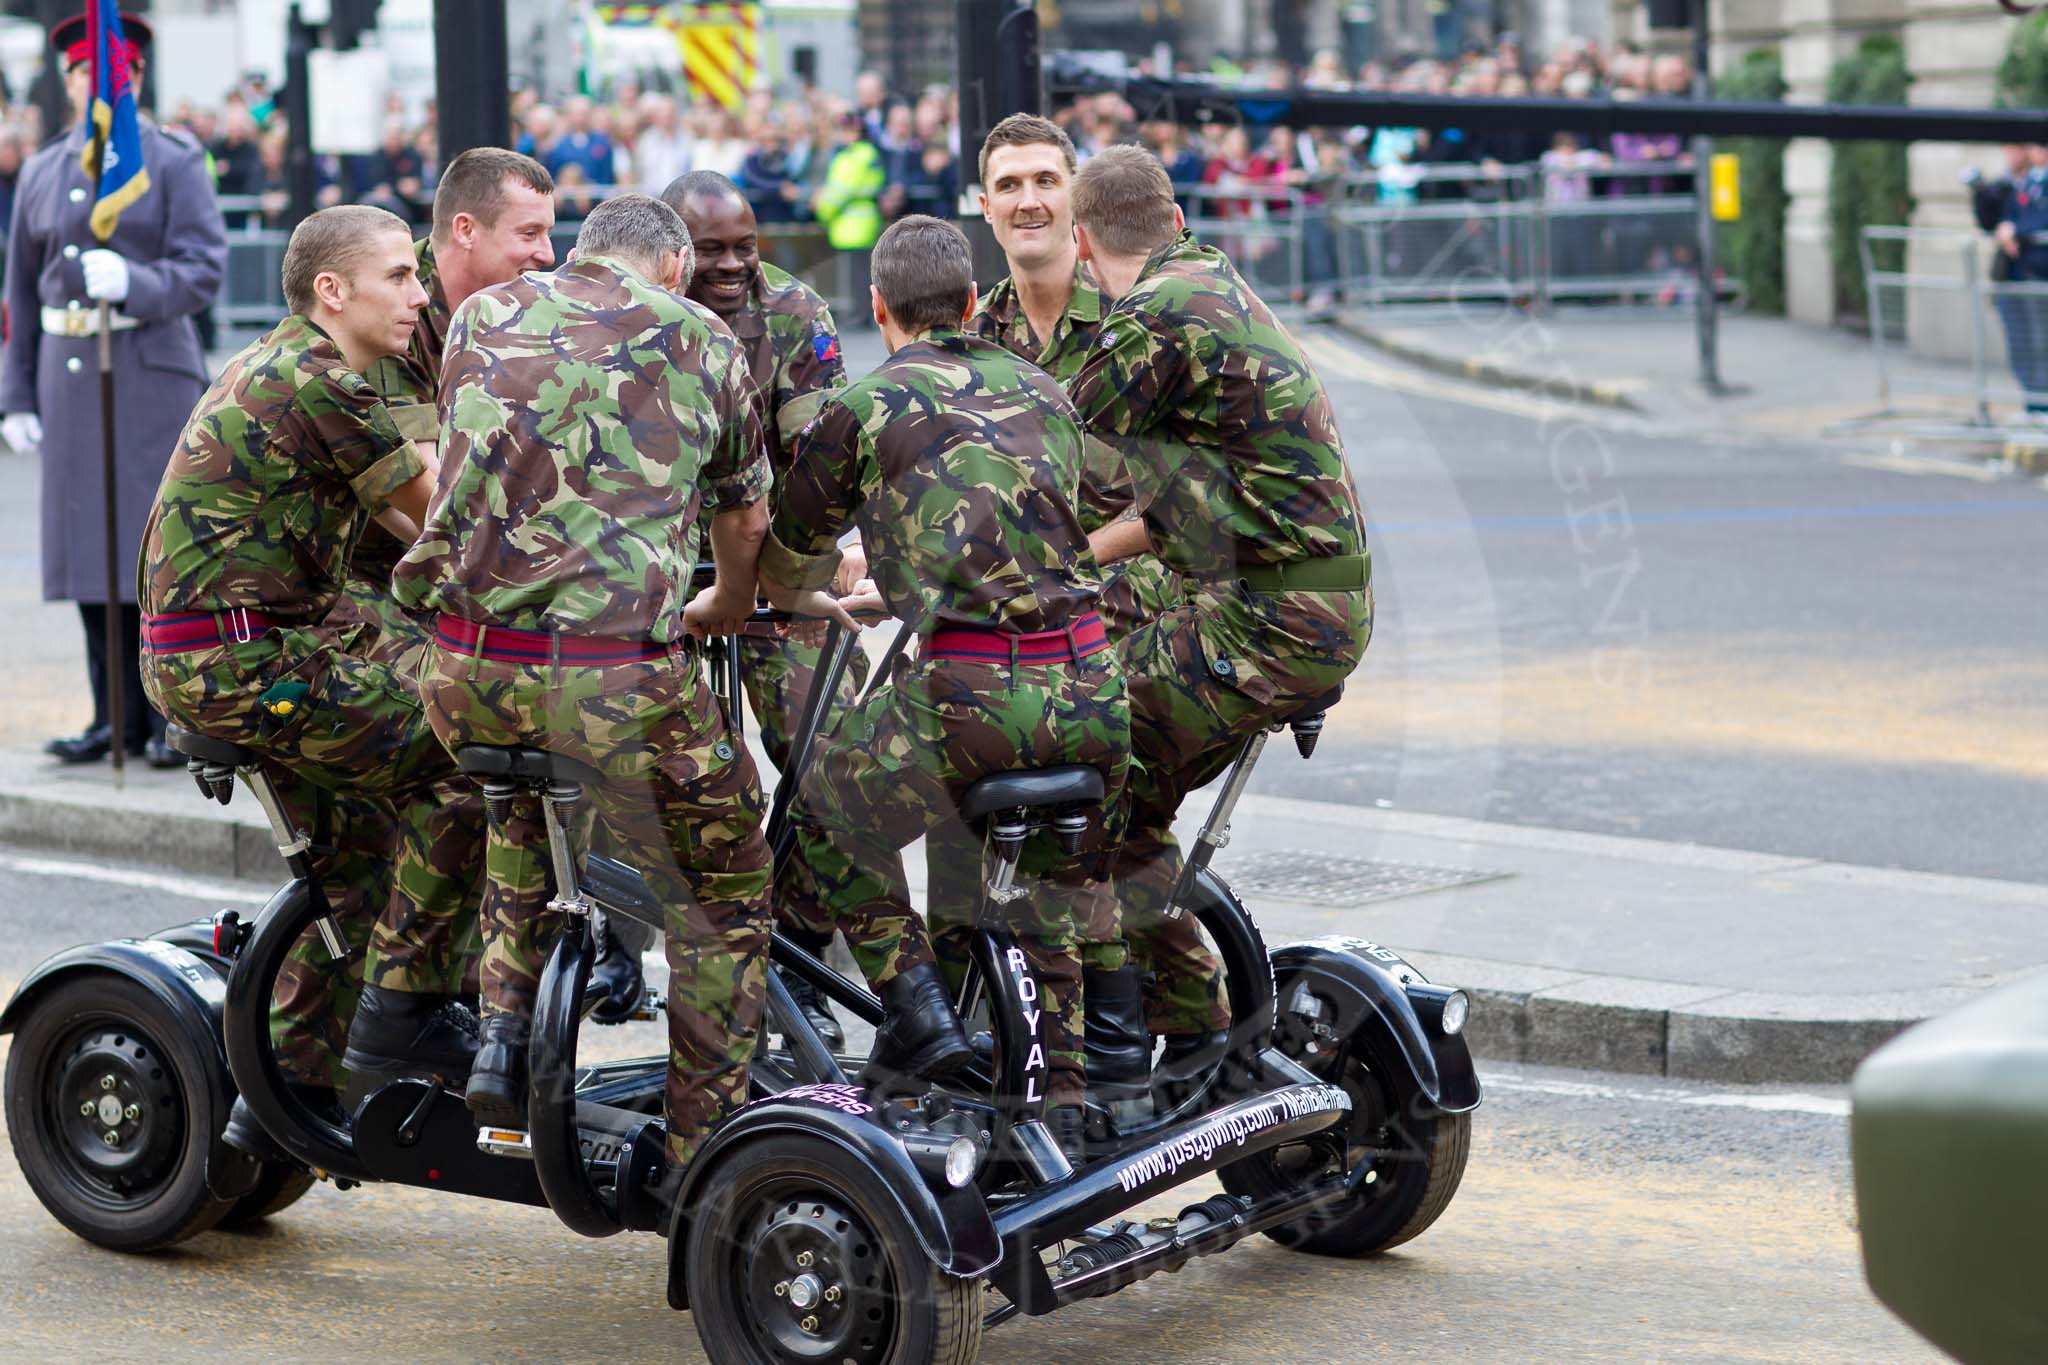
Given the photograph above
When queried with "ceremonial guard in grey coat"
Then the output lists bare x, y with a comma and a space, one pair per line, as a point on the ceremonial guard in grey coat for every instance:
162, 265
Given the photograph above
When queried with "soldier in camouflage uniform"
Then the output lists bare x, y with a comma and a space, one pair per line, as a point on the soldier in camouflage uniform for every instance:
281, 466
792, 350
1245, 492
588, 415
960, 463
493, 210
1049, 311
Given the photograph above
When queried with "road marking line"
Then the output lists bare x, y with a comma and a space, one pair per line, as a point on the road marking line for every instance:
141, 881
1782, 1103
1928, 464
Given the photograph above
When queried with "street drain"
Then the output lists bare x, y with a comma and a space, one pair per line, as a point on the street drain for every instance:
1332, 879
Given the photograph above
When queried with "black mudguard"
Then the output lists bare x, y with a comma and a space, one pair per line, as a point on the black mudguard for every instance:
1368, 985
191, 988
952, 1226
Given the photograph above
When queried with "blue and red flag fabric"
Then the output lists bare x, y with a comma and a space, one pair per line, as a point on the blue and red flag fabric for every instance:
825, 346
113, 129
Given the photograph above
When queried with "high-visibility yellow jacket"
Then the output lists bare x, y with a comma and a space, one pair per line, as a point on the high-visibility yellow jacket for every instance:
854, 179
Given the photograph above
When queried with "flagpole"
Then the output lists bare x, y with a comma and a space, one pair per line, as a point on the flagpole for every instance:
115, 674
116, 665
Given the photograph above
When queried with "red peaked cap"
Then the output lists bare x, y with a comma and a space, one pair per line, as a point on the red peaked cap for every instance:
68, 38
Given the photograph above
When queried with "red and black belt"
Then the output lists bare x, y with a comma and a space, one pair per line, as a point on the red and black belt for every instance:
181, 632
1084, 636
504, 644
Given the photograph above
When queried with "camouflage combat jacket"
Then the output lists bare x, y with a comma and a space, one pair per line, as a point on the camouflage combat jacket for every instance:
283, 463
1230, 439
792, 351
959, 463
411, 380
1000, 317
588, 415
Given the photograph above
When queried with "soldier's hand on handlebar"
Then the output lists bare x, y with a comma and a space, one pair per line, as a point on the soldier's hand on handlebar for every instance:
864, 598
720, 611
853, 569
812, 602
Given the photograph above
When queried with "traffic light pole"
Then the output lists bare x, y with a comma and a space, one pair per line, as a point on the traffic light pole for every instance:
300, 182
1708, 300
999, 76
472, 76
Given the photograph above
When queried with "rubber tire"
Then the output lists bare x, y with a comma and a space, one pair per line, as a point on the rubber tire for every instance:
277, 1189
947, 1333
1428, 1152
184, 1206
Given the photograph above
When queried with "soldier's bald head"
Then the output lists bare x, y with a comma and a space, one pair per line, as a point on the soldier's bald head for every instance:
1123, 200
709, 186
724, 238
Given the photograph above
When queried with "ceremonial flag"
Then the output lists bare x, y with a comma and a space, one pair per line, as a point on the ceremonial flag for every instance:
113, 131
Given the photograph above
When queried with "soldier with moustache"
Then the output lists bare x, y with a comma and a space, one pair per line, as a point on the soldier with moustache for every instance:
162, 264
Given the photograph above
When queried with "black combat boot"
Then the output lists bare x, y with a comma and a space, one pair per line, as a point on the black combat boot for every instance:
920, 1035
1184, 1060
817, 1009
245, 1134
407, 1034
1070, 1131
497, 1081
617, 986
1117, 1049
808, 997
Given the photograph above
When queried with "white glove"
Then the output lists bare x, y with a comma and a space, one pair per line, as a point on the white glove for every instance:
23, 432
106, 275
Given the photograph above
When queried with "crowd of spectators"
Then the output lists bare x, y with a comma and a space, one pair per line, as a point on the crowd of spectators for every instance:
1224, 167
778, 150
854, 163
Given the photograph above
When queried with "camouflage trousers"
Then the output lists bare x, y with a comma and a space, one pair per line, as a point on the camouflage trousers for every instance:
895, 767
358, 734
680, 801
777, 671
315, 997
1134, 591
1204, 677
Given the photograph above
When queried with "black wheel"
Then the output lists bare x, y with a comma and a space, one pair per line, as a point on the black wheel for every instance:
277, 1189
796, 1254
110, 1113
1418, 1155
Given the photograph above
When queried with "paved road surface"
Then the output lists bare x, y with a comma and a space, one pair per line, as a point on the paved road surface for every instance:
1600, 1219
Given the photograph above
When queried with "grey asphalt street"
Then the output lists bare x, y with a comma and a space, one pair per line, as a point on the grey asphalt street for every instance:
1782, 647
1599, 1219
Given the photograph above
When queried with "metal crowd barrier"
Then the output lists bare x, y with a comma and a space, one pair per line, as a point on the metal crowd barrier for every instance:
1930, 291
1536, 233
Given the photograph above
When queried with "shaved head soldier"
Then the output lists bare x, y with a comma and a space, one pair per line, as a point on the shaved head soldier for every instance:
960, 464
792, 347
285, 460
1244, 491
493, 211
588, 415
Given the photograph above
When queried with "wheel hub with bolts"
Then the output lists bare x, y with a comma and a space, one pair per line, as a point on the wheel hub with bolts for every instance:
117, 1109
819, 1286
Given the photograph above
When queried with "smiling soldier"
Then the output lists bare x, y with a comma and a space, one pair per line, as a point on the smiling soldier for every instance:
285, 461
785, 331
